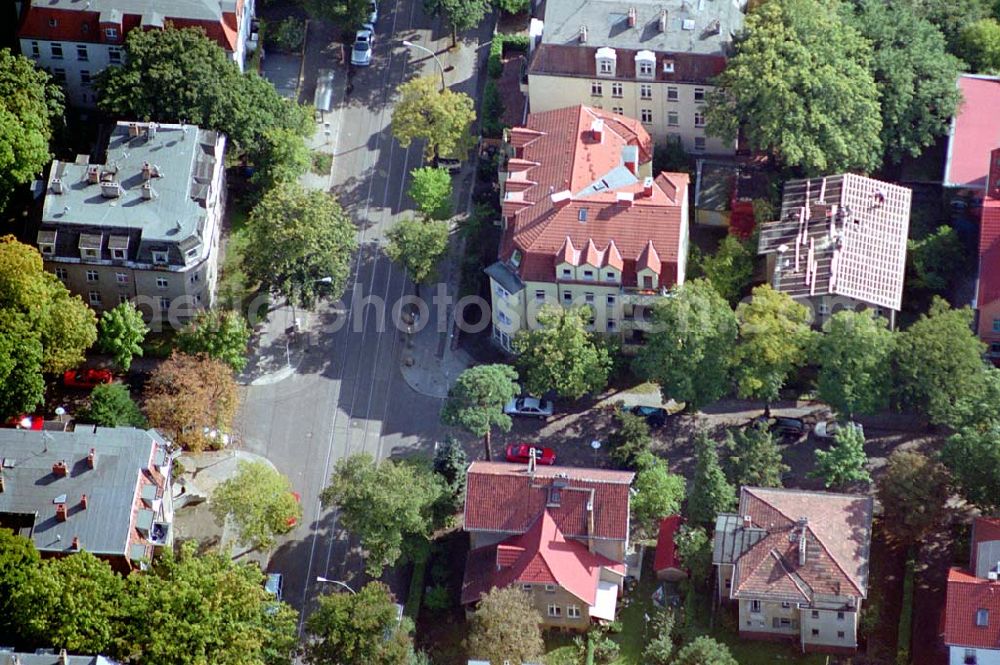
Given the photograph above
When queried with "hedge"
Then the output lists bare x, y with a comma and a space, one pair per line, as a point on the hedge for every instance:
500, 43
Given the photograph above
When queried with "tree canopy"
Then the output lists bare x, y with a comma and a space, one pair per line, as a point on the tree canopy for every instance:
979, 45
913, 491
560, 354
279, 156
630, 438
973, 457
710, 492
111, 405
505, 627
441, 118
418, 246
730, 268
951, 16
220, 334
258, 500
854, 355
121, 332
192, 400
30, 104
431, 190
689, 353
754, 458
298, 240
462, 15
657, 494
357, 629
383, 504
819, 109
475, 403
703, 650
348, 14
180, 75
845, 462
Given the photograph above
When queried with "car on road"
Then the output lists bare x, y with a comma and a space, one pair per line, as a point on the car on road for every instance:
786, 428
528, 406
372, 12
86, 378
449, 164
521, 452
825, 430
364, 40
655, 416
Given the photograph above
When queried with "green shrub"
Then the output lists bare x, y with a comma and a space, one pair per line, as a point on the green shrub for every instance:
501, 43
322, 162
493, 125
287, 35
437, 598
512, 6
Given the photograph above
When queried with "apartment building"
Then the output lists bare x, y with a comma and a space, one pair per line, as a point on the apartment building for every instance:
75, 40
840, 244
585, 222
651, 61
797, 565
558, 533
142, 222
988, 287
971, 619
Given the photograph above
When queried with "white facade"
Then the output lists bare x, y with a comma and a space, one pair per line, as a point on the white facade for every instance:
964, 656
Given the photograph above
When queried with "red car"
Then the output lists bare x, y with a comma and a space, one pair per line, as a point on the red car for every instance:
26, 422
521, 452
292, 521
86, 378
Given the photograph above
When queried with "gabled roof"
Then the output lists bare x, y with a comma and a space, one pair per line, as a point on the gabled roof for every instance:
836, 529
975, 130
504, 498
967, 595
541, 555
580, 60
666, 551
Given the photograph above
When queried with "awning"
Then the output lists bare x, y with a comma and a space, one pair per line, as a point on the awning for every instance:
605, 601
323, 101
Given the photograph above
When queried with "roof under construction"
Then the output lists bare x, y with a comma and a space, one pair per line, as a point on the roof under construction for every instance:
841, 235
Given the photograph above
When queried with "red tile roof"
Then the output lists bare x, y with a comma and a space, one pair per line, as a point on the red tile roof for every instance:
975, 131
967, 594
666, 551
573, 60
541, 555
837, 536
566, 155
989, 236
503, 498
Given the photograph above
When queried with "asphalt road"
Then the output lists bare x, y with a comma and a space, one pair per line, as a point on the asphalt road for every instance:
347, 395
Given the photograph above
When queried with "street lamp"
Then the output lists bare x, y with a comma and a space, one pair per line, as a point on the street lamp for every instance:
295, 316
324, 580
410, 44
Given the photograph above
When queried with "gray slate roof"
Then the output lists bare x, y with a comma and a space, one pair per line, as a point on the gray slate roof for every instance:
732, 539
114, 9
690, 24
28, 501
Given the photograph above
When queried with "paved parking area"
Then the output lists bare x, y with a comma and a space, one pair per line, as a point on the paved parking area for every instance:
282, 69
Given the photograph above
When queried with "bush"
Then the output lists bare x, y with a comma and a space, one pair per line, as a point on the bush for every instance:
605, 648
437, 598
671, 156
493, 109
630, 440
287, 35
322, 162
502, 43
512, 6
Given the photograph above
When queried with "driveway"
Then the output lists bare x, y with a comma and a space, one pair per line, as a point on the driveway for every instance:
282, 69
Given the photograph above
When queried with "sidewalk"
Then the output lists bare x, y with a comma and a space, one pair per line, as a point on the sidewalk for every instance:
276, 349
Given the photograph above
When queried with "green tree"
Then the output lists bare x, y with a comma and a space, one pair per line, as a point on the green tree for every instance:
450, 463
704, 650
979, 45
660, 648
442, 118
121, 332
18, 561
432, 192
462, 15
383, 504
348, 14
951, 16
357, 629
938, 361
111, 405
174, 75
694, 549
774, 340
561, 355
973, 457
730, 268
979, 408
192, 609
258, 500
476, 401
913, 491
220, 334
280, 156
934, 262
690, 350
299, 239
418, 246
710, 492
22, 387
505, 627
630, 439
69, 603
820, 109
845, 462
512, 6
754, 459
914, 73
657, 494
31, 104
854, 355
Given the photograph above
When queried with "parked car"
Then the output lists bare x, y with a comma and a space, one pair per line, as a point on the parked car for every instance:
273, 584
86, 378
528, 406
521, 452
825, 430
364, 40
787, 428
452, 165
25, 421
655, 416
372, 12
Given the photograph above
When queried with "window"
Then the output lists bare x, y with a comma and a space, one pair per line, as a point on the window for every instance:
645, 68
840, 616
699, 118
606, 66
47, 248
555, 611
588, 275
84, 77
62, 274
671, 93
596, 88
57, 52
982, 617
755, 607
611, 325
611, 301
567, 273
501, 292
995, 348
540, 294
996, 325
81, 53
589, 297
59, 74
550, 588
92, 276
115, 56
164, 303
647, 116
815, 614
118, 253
122, 298
785, 605
161, 282
159, 257
616, 89
647, 281
53, 23
840, 634
573, 611
699, 143
645, 91
824, 308
815, 632
699, 95
121, 277
581, 215
567, 297
673, 118
617, 109
610, 277
111, 33
95, 298
503, 318
970, 657
34, 50
783, 623
526, 587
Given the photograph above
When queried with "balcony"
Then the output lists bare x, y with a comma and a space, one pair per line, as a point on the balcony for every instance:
643, 297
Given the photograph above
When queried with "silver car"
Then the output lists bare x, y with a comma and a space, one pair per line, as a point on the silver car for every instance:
364, 40
528, 406
372, 12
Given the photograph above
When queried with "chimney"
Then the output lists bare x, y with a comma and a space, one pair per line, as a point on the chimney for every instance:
61, 512
75, 545
84, 501
562, 199
133, 129
663, 20
111, 189
59, 469
993, 180
631, 17
63, 657
148, 193
647, 187
803, 548
1, 483
57, 186
714, 27
625, 198
93, 174
597, 130
92, 458
151, 131
146, 171
583, 34
590, 522
531, 461
747, 522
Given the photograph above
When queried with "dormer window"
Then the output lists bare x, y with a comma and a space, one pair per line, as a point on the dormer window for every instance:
567, 273
111, 33
606, 60
46, 242
515, 258
645, 64
160, 257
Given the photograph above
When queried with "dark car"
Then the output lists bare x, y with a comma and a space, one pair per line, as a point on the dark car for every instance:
521, 452
787, 428
655, 416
